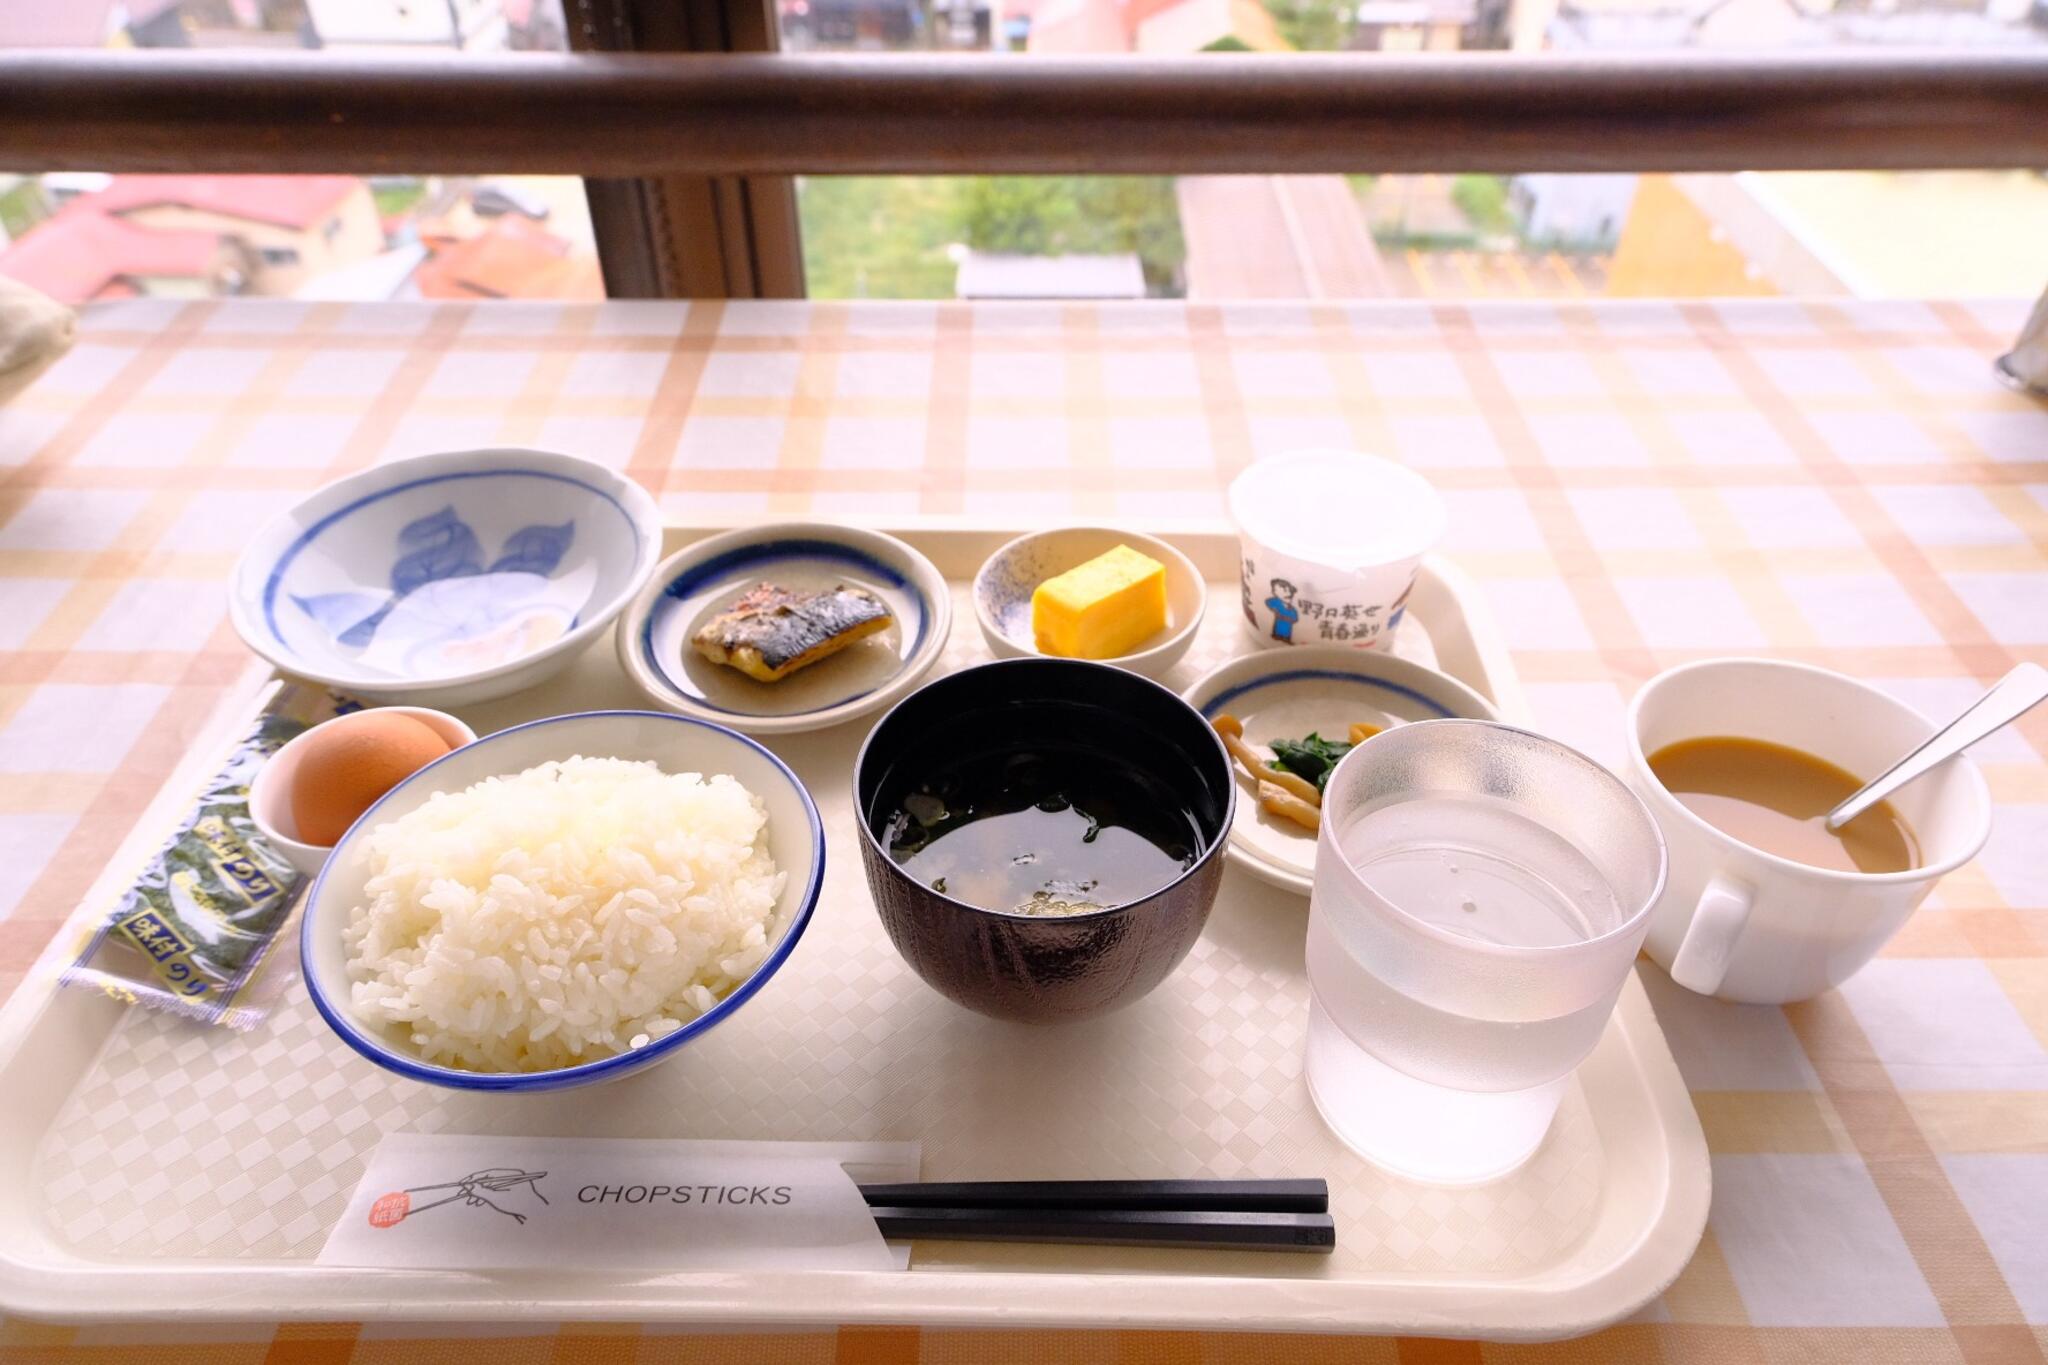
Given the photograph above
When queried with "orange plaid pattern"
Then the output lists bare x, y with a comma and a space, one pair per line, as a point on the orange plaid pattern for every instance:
1634, 485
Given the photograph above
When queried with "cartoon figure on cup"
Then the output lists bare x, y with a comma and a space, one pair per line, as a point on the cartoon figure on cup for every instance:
1285, 613
1400, 605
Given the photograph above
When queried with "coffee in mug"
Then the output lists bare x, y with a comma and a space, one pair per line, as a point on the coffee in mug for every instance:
1777, 798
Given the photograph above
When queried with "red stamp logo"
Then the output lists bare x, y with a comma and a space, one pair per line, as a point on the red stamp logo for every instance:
390, 1209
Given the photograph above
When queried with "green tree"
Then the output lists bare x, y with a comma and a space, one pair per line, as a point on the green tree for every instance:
397, 198
1025, 216
1085, 215
1483, 199
888, 237
1314, 25
879, 238
22, 207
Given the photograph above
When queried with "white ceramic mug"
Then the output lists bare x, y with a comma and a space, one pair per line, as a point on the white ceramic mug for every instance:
1742, 924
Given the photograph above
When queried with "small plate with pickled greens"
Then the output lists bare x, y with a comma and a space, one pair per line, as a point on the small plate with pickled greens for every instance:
781, 628
1288, 717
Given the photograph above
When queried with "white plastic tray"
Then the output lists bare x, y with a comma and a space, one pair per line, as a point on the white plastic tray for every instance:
158, 1167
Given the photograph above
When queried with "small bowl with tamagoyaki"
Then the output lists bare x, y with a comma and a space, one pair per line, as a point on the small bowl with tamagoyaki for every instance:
1290, 694
1004, 586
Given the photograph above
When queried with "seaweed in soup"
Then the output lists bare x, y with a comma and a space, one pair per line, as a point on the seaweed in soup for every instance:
1039, 830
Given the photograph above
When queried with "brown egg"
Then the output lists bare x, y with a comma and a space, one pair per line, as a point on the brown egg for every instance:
345, 768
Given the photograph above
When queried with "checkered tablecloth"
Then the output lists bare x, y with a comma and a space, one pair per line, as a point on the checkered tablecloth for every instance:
1634, 485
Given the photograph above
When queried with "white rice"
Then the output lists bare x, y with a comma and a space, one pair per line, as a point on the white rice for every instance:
571, 912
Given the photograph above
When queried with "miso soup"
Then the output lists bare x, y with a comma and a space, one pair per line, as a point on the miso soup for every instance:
1039, 830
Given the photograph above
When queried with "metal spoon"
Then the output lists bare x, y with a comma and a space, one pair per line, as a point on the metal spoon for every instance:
2009, 698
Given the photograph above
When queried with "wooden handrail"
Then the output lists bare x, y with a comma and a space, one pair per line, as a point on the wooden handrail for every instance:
659, 114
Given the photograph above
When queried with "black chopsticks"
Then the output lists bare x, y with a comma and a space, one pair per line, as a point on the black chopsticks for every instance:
1227, 1215
1174, 1196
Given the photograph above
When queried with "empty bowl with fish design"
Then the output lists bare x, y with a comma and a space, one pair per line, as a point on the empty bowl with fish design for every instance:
1043, 837
447, 578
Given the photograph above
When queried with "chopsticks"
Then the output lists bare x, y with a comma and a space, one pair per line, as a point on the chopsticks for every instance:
1178, 1196
1228, 1215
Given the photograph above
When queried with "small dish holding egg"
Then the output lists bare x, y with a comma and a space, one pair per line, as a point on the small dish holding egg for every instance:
1091, 592
1288, 717
310, 791
787, 627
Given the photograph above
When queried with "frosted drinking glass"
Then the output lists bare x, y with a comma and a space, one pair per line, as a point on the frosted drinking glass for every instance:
1480, 893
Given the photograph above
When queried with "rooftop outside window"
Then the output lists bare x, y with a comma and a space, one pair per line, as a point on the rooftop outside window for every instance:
84, 236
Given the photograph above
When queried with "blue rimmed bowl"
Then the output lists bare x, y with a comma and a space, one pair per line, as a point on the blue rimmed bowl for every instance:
704, 579
446, 579
1286, 694
796, 839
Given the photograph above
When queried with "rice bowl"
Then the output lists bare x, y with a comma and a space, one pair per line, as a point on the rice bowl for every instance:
446, 994
572, 911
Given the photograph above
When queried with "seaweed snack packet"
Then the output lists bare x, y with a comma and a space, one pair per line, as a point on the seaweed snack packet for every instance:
194, 934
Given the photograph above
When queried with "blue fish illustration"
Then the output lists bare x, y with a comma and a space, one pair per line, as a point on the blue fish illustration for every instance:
440, 546
436, 549
535, 549
351, 618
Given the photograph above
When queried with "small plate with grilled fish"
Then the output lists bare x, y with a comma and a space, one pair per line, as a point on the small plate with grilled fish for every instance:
788, 627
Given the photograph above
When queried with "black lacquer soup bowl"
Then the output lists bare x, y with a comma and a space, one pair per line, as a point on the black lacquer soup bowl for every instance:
1051, 968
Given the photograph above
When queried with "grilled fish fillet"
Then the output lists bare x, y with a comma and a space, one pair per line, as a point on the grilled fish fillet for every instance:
771, 632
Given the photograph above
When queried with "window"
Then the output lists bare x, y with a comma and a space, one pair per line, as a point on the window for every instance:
978, 236
1422, 236
84, 236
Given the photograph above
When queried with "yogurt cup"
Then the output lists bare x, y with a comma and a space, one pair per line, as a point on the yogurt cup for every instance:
1329, 542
